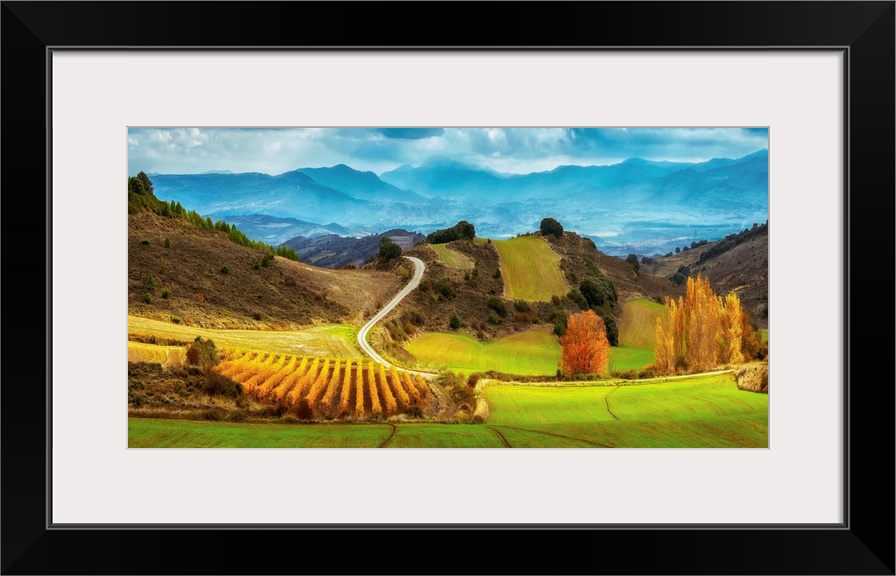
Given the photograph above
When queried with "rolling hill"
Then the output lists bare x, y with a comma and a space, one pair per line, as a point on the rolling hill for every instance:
180, 273
335, 251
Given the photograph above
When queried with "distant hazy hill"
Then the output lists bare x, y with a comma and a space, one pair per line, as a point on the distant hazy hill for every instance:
273, 230
333, 251
636, 206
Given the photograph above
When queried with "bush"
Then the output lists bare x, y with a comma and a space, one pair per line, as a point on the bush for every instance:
147, 298
167, 242
498, 306
497, 273
454, 322
166, 293
217, 385
176, 319
522, 306
224, 270
633, 260
202, 353
389, 249
550, 227
144, 241
151, 283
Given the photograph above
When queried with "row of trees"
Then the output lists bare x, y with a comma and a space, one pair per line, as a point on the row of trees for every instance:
702, 329
141, 197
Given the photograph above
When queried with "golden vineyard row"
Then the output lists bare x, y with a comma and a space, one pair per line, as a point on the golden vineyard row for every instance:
324, 387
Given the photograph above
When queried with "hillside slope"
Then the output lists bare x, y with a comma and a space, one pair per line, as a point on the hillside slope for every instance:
743, 268
214, 283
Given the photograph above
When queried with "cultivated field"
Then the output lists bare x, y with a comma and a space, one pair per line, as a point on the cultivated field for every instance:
529, 353
707, 411
452, 259
530, 269
335, 340
637, 329
324, 388
167, 356
533, 352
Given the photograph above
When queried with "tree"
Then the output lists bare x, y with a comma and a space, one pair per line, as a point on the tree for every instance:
550, 227
389, 249
454, 321
586, 349
633, 260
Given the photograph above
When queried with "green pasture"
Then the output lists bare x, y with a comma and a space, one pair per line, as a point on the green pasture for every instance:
691, 412
533, 352
529, 353
637, 329
452, 259
531, 270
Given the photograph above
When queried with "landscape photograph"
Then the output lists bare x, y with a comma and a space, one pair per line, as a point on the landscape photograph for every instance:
428, 287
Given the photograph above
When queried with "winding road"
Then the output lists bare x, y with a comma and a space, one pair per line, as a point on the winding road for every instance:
420, 267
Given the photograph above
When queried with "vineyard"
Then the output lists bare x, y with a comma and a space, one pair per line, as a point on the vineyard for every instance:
324, 388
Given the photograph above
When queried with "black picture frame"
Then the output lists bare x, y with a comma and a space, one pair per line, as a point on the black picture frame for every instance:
864, 544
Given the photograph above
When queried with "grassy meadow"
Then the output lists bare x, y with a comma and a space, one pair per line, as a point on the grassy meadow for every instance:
693, 412
531, 270
452, 259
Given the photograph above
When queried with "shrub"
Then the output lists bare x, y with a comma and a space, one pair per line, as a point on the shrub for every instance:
497, 273
167, 242
144, 241
151, 283
176, 319
498, 306
454, 322
550, 227
224, 270
522, 306
166, 293
633, 260
147, 298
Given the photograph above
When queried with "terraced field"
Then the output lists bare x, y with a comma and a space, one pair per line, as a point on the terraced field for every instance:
531, 270
706, 411
452, 259
336, 340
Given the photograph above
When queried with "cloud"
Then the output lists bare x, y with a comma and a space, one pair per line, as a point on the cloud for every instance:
517, 150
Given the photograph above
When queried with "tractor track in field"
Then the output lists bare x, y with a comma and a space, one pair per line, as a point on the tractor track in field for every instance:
500, 437
555, 435
607, 402
385, 442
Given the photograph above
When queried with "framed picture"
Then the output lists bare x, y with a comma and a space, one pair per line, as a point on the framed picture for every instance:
818, 76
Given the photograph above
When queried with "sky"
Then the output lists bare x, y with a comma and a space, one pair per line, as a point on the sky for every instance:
513, 150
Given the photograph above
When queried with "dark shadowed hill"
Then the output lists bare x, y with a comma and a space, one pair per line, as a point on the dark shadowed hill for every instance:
334, 251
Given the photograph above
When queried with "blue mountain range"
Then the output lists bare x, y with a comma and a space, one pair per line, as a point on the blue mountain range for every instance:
636, 206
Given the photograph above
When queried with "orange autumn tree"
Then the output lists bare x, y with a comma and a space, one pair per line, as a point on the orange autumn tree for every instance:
586, 349
702, 330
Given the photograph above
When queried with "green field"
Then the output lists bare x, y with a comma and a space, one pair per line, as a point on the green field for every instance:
334, 340
707, 411
637, 329
704, 411
452, 259
533, 352
624, 358
531, 270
